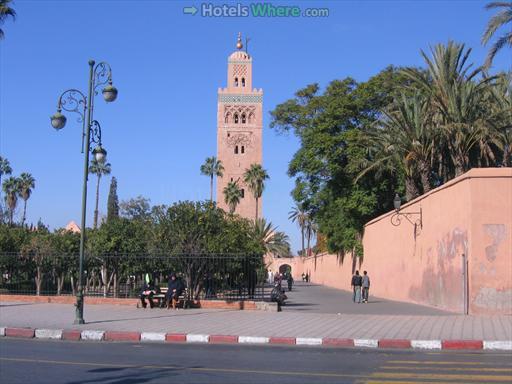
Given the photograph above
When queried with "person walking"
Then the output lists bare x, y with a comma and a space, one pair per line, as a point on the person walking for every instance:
366, 286
356, 283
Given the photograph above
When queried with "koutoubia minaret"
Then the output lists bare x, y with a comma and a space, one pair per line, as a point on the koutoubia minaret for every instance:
239, 129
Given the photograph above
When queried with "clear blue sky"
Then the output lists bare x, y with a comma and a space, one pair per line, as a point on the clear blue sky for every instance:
168, 66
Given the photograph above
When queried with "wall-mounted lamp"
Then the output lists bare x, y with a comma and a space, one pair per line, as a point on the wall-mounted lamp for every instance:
409, 216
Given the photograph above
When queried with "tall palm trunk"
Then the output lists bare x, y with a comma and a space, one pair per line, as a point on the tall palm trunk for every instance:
256, 210
211, 188
411, 189
425, 176
24, 212
97, 199
11, 215
302, 233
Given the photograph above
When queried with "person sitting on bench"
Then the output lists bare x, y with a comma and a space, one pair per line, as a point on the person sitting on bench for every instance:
174, 290
147, 292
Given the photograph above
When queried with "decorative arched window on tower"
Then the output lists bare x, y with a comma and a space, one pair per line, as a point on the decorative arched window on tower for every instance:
243, 81
236, 149
242, 193
236, 81
243, 118
227, 117
236, 118
251, 118
242, 150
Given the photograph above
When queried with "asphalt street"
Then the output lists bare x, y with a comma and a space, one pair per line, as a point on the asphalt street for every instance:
56, 362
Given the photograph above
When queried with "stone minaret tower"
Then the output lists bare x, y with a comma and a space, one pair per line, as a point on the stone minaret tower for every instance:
239, 129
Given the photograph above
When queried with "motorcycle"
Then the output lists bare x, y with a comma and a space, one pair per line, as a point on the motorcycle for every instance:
277, 295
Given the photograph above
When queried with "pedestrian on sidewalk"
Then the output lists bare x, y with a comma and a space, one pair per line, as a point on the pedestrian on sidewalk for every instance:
356, 283
366, 286
289, 279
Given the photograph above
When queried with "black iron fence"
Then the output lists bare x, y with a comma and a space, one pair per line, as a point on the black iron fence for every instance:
207, 276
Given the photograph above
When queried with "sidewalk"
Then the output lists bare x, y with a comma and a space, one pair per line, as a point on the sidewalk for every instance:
289, 327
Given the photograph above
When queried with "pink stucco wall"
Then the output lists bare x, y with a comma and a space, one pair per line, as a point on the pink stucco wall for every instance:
471, 215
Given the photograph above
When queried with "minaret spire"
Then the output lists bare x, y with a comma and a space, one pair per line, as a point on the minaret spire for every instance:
239, 44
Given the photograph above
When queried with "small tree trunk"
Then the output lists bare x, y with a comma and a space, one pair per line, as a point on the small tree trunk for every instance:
104, 277
73, 285
116, 288
39, 280
60, 283
256, 210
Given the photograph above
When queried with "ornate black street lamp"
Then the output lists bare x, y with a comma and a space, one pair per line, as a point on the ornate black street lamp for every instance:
396, 221
73, 100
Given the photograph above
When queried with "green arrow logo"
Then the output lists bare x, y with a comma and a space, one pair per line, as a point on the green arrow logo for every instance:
190, 10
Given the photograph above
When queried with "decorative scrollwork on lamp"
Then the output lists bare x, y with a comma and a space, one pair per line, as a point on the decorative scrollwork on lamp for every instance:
411, 217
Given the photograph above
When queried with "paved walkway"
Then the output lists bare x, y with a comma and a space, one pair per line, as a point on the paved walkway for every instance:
314, 298
259, 323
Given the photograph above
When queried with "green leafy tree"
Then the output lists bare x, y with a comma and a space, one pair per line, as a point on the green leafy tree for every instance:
11, 187
138, 208
503, 19
232, 195
332, 129
5, 12
26, 183
37, 252
113, 201
113, 249
99, 169
191, 231
212, 167
66, 247
255, 177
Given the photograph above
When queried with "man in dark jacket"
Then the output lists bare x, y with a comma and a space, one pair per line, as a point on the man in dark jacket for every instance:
174, 290
357, 282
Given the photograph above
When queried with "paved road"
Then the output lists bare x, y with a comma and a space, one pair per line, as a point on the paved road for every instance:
315, 298
33, 361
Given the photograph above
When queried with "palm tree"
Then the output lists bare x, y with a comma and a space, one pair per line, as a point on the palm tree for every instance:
25, 186
413, 137
5, 168
457, 98
311, 231
501, 19
255, 177
11, 188
212, 167
5, 11
99, 169
232, 195
273, 241
299, 215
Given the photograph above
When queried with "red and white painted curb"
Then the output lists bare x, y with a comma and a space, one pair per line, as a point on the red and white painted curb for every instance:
152, 337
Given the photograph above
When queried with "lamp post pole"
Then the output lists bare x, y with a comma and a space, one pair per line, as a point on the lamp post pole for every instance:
73, 100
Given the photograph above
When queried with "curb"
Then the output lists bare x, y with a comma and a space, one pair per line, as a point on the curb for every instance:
161, 337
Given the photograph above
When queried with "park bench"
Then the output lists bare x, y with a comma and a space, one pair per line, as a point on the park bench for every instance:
159, 299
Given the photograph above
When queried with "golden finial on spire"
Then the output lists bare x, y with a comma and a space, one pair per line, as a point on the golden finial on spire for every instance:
239, 44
